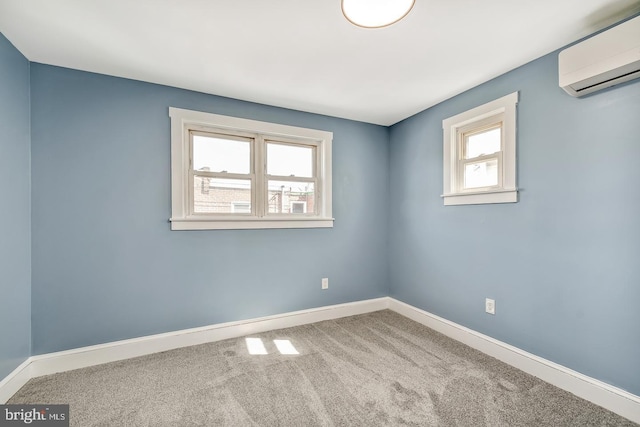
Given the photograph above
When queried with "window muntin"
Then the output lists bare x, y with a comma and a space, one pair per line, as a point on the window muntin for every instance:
229, 172
479, 156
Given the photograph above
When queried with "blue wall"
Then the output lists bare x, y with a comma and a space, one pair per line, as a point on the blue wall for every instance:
15, 229
106, 265
562, 263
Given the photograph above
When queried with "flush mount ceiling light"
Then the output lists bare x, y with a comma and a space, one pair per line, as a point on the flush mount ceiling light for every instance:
376, 13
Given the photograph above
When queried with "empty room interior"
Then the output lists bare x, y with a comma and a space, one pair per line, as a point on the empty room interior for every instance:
308, 213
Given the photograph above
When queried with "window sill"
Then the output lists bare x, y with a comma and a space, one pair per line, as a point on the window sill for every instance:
479, 198
235, 223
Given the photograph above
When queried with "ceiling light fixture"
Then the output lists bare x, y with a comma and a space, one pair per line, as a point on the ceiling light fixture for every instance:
376, 13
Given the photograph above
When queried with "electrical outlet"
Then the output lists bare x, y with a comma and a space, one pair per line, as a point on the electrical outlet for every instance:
325, 283
490, 306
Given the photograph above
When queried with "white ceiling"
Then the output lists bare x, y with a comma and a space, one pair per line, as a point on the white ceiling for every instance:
303, 54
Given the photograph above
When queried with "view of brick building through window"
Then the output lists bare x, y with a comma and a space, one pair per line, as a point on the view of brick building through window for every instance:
216, 195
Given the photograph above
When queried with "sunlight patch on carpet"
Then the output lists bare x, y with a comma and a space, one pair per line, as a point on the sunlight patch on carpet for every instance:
285, 347
256, 346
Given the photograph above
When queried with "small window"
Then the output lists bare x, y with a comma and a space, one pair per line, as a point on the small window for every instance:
480, 154
237, 173
298, 207
241, 207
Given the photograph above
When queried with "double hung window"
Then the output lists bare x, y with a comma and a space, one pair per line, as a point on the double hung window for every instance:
229, 172
480, 154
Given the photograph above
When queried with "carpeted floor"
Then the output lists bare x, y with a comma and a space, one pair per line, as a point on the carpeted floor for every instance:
369, 370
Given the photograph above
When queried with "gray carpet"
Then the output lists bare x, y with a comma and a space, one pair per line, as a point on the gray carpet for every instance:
368, 370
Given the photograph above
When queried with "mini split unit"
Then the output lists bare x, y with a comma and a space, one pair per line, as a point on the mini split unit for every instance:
606, 59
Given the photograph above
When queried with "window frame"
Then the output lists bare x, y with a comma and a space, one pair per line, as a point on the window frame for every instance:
316, 163
208, 132
501, 111
186, 123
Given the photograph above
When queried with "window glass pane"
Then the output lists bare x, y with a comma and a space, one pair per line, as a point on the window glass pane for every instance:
290, 160
216, 154
483, 143
219, 195
291, 197
481, 174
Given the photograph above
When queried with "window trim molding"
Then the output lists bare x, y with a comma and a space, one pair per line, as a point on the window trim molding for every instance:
506, 107
183, 120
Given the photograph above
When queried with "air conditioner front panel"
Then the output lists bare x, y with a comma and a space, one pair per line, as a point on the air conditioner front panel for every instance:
608, 79
607, 59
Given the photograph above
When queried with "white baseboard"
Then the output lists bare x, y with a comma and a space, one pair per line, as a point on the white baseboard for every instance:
612, 398
67, 360
598, 392
15, 380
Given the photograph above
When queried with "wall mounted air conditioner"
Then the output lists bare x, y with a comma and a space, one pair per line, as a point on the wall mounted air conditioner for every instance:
604, 60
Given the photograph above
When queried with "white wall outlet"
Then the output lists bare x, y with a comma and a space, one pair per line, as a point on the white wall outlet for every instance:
490, 306
325, 283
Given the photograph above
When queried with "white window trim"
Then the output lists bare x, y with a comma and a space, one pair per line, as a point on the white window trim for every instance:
181, 217
505, 193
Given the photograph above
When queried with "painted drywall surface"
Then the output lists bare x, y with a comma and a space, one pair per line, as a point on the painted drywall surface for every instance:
15, 213
562, 263
106, 265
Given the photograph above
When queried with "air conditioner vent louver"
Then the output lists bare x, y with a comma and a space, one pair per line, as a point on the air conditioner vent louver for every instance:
609, 58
